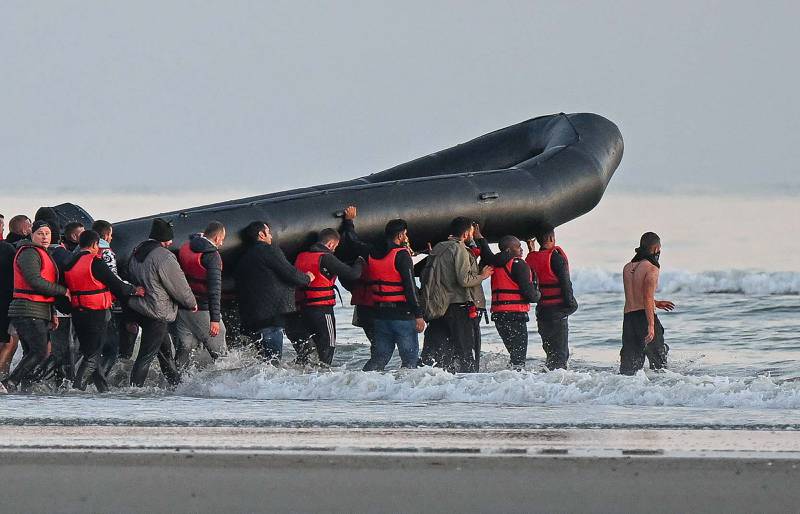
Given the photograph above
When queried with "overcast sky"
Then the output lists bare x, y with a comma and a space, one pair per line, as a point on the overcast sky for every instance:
266, 96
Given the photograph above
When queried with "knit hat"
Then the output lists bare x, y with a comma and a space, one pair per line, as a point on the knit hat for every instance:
161, 230
39, 224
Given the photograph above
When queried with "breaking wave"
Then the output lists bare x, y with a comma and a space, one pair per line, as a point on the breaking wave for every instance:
591, 280
669, 388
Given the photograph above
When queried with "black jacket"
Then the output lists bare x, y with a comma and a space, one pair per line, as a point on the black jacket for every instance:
265, 286
528, 283
13, 238
103, 273
212, 262
331, 266
7, 252
63, 253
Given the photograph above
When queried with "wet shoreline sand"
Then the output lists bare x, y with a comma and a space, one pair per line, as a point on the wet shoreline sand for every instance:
215, 469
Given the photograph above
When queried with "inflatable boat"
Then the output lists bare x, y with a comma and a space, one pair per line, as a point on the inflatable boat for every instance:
518, 180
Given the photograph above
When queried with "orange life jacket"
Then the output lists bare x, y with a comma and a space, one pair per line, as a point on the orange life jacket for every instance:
49, 271
506, 293
86, 292
362, 290
192, 265
321, 291
386, 284
548, 281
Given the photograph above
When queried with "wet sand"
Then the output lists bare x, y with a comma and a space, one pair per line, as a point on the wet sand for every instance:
223, 469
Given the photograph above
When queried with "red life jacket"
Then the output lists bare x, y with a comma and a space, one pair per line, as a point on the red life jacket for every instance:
506, 293
192, 265
321, 291
49, 271
386, 283
548, 281
86, 292
362, 290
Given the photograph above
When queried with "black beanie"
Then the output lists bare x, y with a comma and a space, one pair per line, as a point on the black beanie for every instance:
161, 230
49, 215
39, 224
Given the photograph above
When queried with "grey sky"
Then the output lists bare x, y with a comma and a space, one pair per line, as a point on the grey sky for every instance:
271, 95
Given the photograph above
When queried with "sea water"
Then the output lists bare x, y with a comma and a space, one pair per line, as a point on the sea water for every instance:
733, 362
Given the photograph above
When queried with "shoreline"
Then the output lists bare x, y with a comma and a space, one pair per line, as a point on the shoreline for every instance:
246, 469
480, 442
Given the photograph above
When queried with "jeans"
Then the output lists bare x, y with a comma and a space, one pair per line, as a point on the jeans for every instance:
270, 343
391, 332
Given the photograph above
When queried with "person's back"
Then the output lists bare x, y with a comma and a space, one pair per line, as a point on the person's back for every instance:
156, 269
265, 289
449, 278
557, 303
201, 262
635, 276
642, 333
263, 294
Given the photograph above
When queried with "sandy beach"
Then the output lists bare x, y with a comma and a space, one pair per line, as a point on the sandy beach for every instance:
197, 469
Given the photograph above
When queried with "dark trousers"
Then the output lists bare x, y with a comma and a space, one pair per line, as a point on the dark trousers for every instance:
33, 335
90, 327
314, 328
155, 343
125, 340
477, 338
634, 349
364, 317
63, 352
449, 341
555, 341
115, 338
513, 330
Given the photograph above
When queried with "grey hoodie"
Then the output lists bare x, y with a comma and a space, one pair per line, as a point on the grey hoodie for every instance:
451, 275
157, 270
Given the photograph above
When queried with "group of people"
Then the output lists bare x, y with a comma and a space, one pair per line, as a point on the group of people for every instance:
74, 316
75, 313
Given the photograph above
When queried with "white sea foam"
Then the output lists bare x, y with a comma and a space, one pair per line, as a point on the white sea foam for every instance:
669, 389
592, 280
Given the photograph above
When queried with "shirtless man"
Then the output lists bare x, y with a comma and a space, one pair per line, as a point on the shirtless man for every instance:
642, 333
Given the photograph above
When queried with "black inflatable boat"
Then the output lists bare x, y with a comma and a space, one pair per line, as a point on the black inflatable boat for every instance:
518, 180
